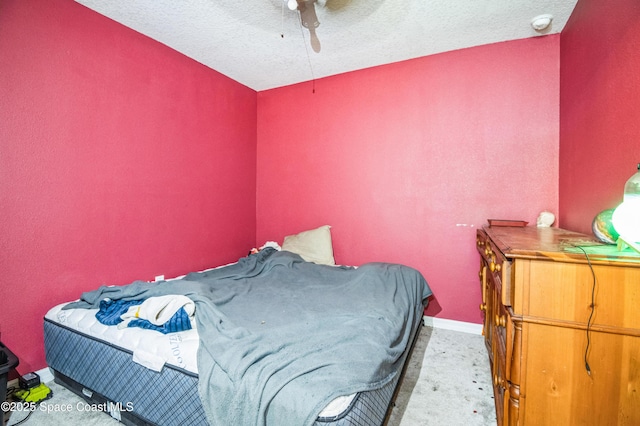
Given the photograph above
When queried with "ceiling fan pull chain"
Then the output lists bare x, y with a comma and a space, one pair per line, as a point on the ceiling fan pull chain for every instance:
282, 22
313, 77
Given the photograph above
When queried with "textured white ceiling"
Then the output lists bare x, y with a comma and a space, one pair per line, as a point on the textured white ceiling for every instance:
261, 43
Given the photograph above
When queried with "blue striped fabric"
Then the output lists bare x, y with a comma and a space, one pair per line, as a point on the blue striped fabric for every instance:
111, 310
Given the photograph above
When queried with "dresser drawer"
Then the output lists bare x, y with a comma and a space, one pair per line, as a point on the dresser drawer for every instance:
562, 293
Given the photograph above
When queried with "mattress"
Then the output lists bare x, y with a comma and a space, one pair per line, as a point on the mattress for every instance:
142, 386
146, 377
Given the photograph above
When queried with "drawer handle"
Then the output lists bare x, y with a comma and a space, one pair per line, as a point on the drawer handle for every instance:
500, 320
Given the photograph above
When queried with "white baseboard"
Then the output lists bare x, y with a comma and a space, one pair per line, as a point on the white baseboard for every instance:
447, 324
45, 374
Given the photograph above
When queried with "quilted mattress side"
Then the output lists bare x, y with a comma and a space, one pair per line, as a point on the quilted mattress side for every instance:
169, 397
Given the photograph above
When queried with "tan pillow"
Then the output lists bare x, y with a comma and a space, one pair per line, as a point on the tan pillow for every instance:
313, 245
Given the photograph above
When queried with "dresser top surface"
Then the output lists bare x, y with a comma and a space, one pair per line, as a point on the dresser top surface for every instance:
557, 244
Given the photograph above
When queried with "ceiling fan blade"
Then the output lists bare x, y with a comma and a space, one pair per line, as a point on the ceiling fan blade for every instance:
314, 41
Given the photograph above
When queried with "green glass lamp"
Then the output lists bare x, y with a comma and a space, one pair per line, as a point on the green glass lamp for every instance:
626, 217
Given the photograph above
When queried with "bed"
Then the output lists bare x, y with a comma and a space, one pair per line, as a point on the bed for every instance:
274, 340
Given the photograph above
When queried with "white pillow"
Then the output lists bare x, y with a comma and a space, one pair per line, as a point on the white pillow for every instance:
313, 245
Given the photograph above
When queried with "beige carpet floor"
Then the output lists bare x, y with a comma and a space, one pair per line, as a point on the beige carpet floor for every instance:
447, 382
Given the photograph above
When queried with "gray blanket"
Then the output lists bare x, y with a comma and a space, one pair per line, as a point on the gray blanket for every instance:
280, 338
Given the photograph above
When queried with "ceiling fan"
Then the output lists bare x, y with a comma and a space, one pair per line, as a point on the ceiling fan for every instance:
309, 18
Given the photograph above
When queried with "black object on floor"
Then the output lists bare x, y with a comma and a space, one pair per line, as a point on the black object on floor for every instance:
7, 361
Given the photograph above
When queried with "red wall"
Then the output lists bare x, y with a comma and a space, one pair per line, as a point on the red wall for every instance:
120, 159
599, 108
407, 160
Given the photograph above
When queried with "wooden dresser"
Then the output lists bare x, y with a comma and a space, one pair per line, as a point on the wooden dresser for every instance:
542, 330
